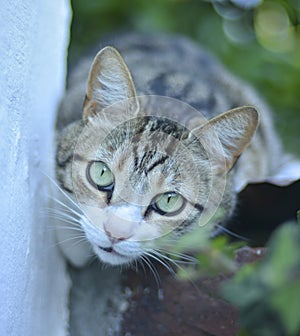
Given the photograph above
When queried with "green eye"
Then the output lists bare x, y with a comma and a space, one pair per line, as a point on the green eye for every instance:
100, 175
169, 203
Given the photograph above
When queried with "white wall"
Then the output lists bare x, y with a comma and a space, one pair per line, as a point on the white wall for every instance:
33, 282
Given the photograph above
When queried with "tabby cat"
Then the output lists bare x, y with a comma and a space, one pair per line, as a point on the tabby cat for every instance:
156, 149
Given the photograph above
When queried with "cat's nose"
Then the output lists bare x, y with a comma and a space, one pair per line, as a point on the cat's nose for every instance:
112, 238
121, 222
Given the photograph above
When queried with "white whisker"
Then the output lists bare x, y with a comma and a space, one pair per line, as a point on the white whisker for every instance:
62, 191
140, 261
159, 258
75, 240
135, 263
65, 218
231, 233
181, 258
70, 228
152, 269
66, 207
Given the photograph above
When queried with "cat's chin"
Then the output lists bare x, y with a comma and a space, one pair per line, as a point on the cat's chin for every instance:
112, 257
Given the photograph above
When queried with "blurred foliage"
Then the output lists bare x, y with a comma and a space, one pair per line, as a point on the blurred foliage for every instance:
258, 40
211, 255
267, 293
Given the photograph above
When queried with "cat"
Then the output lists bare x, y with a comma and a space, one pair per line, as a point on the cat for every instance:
165, 139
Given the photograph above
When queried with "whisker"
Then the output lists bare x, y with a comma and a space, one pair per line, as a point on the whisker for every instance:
152, 269
140, 262
181, 257
158, 257
76, 240
62, 191
136, 265
65, 206
62, 218
64, 211
231, 233
65, 227
61, 214
174, 262
66, 218
92, 258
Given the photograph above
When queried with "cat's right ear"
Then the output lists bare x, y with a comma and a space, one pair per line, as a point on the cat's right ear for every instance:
109, 82
226, 136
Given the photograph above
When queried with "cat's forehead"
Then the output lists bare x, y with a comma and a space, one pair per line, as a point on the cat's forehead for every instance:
148, 143
148, 135
145, 159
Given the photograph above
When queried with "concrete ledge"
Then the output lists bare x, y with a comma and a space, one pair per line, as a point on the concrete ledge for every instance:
33, 280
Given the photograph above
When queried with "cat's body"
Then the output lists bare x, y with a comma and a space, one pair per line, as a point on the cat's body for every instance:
141, 158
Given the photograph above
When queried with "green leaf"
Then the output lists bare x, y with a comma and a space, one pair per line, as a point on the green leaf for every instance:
267, 293
283, 256
286, 302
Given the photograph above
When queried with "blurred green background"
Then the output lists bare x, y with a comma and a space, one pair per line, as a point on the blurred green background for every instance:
257, 40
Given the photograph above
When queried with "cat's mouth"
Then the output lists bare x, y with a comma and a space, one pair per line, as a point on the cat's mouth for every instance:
110, 250
107, 249
111, 256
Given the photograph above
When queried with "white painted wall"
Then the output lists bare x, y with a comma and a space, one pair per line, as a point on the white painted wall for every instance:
33, 281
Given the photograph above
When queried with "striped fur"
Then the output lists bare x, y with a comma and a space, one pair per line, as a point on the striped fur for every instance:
155, 145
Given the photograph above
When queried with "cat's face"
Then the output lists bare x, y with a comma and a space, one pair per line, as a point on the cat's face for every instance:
136, 183
138, 174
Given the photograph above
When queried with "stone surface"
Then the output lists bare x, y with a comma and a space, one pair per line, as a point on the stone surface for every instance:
96, 301
180, 307
33, 281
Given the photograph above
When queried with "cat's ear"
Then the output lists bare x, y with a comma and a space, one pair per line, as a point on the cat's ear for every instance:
226, 136
109, 82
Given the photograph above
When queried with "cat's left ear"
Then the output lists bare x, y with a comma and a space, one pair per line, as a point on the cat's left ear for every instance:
226, 136
109, 82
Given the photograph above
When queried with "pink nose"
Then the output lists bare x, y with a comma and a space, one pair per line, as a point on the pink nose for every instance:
112, 238
121, 222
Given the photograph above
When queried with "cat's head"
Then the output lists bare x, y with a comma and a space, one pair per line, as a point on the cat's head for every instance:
145, 167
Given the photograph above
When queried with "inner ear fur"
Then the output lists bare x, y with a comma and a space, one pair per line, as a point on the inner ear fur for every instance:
226, 136
109, 82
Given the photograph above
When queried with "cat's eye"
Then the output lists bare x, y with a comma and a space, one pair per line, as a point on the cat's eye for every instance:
169, 203
100, 175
